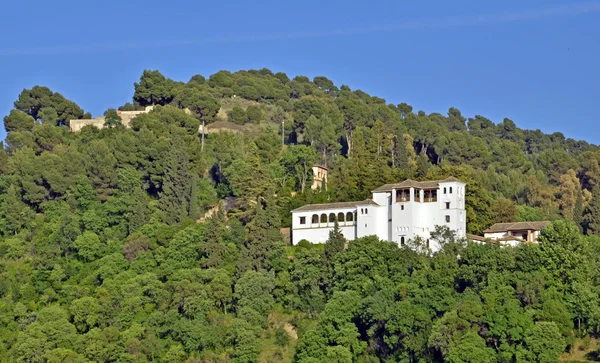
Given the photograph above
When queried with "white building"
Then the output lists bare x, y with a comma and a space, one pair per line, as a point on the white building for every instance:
396, 213
515, 232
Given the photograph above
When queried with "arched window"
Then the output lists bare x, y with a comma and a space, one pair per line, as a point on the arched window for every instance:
341, 217
366, 211
331, 217
350, 217
315, 218
323, 218
444, 190
362, 211
450, 190
402, 241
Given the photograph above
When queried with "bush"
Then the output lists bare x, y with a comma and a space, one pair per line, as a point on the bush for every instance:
238, 116
281, 337
254, 114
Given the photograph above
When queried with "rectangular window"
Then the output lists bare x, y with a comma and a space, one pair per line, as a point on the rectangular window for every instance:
447, 205
450, 190
302, 220
401, 207
447, 219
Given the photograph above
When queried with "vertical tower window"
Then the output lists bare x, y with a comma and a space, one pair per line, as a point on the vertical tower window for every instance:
444, 190
302, 220
447, 219
447, 205
450, 190
402, 241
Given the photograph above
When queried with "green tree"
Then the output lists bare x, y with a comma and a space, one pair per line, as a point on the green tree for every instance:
334, 244
112, 118
153, 89
18, 121
298, 161
592, 213
544, 344
470, 349
237, 115
176, 193
203, 104
88, 246
15, 213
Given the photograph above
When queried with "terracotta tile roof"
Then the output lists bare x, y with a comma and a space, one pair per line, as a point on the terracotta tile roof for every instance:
326, 206
517, 226
408, 183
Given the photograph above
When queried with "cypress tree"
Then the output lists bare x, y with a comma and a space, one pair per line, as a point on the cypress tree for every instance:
263, 248
335, 243
592, 213
578, 210
422, 165
177, 181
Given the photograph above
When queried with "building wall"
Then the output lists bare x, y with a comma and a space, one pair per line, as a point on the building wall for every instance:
392, 221
77, 125
319, 232
420, 219
126, 117
319, 178
495, 235
372, 220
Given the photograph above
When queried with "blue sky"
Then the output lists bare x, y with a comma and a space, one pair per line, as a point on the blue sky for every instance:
536, 62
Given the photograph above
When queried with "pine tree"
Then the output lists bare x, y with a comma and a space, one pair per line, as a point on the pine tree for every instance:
176, 192
592, 213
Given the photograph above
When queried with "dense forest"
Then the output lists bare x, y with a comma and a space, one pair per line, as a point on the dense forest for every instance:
160, 243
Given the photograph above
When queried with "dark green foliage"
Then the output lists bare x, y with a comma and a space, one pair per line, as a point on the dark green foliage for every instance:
176, 195
155, 243
592, 213
254, 114
18, 121
335, 244
153, 89
238, 116
46, 106
112, 118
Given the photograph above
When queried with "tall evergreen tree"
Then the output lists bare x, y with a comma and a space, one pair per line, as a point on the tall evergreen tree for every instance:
592, 212
422, 165
176, 193
335, 243
578, 210
263, 248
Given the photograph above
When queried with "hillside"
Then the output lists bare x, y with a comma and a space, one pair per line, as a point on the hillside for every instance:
101, 258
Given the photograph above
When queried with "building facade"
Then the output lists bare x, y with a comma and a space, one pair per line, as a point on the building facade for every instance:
515, 232
396, 213
319, 177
